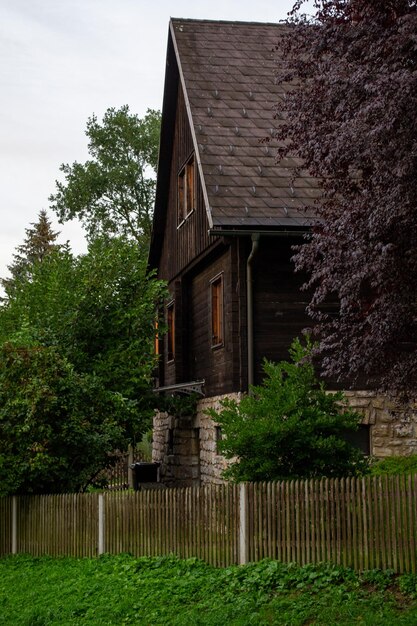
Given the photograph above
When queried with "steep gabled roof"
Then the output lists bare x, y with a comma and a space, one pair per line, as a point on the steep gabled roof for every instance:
227, 74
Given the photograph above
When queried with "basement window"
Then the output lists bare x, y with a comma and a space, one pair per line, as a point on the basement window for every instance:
360, 438
186, 190
216, 290
171, 331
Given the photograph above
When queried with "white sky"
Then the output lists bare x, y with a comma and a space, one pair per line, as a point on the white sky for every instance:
63, 60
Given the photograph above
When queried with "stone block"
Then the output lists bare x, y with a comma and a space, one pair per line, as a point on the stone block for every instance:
403, 430
210, 446
378, 402
359, 403
205, 456
379, 442
364, 393
385, 417
370, 416
382, 453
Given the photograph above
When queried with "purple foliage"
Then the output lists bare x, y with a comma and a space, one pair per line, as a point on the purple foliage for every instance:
352, 120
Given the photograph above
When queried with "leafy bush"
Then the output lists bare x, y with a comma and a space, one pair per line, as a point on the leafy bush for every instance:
177, 405
395, 465
58, 427
144, 447
407, 584
289, 427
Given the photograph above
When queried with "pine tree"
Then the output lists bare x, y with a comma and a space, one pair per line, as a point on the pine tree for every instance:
39, 242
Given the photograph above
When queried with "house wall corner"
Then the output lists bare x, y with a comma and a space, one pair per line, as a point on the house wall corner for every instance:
186, 447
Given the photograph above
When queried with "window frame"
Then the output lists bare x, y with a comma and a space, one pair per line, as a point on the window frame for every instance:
184, 197
217, 311
156, 349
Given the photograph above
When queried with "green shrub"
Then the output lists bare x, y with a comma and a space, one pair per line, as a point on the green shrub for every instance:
407, 584
395, 465
289, 427
144, 447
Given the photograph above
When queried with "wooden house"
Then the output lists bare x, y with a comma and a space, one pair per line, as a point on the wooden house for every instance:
226, 218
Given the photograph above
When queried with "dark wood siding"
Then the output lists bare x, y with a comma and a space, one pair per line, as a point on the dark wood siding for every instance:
280, 306
182, 243
190, 259
279, 314
219, 366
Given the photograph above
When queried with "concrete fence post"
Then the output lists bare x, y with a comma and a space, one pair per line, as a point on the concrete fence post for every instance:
243, 524
101, 521
129, 469
14, 524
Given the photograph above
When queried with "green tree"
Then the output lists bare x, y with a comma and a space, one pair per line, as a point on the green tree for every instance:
112, 328
98, 308
113, 192
39, 242
353, 124
76, 361
58, 428
288, 427
42, 307
77, 336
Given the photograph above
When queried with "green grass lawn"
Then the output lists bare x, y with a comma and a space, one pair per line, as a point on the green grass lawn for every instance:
163, 591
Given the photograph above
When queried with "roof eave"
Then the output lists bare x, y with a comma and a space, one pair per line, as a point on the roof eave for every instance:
165, 151
191, 123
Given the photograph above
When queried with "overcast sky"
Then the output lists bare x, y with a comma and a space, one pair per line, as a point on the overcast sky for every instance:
63, 60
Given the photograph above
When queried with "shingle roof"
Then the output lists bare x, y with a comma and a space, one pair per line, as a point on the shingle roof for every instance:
227, 70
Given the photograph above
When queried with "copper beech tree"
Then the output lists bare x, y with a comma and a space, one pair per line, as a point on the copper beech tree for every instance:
352, 120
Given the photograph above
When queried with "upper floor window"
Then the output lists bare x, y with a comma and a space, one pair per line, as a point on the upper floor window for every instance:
171, 331
217, 331
186, 190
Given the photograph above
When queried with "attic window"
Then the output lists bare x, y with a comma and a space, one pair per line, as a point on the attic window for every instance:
171, 331
186, 190
216, 288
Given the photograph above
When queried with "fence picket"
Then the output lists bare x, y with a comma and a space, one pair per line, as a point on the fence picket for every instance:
411, 524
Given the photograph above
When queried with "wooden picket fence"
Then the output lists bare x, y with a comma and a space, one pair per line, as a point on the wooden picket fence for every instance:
117, 476
363, 523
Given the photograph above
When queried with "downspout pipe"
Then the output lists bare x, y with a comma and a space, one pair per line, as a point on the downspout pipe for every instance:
235, 232
249, 306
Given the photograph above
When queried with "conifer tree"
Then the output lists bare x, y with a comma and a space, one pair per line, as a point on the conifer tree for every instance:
39, 242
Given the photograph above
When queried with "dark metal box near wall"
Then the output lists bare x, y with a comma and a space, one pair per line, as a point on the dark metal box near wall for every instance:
144, 472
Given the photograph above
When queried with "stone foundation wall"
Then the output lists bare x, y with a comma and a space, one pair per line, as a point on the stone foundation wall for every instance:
176, 447
393, 429
212, 464
186, 447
